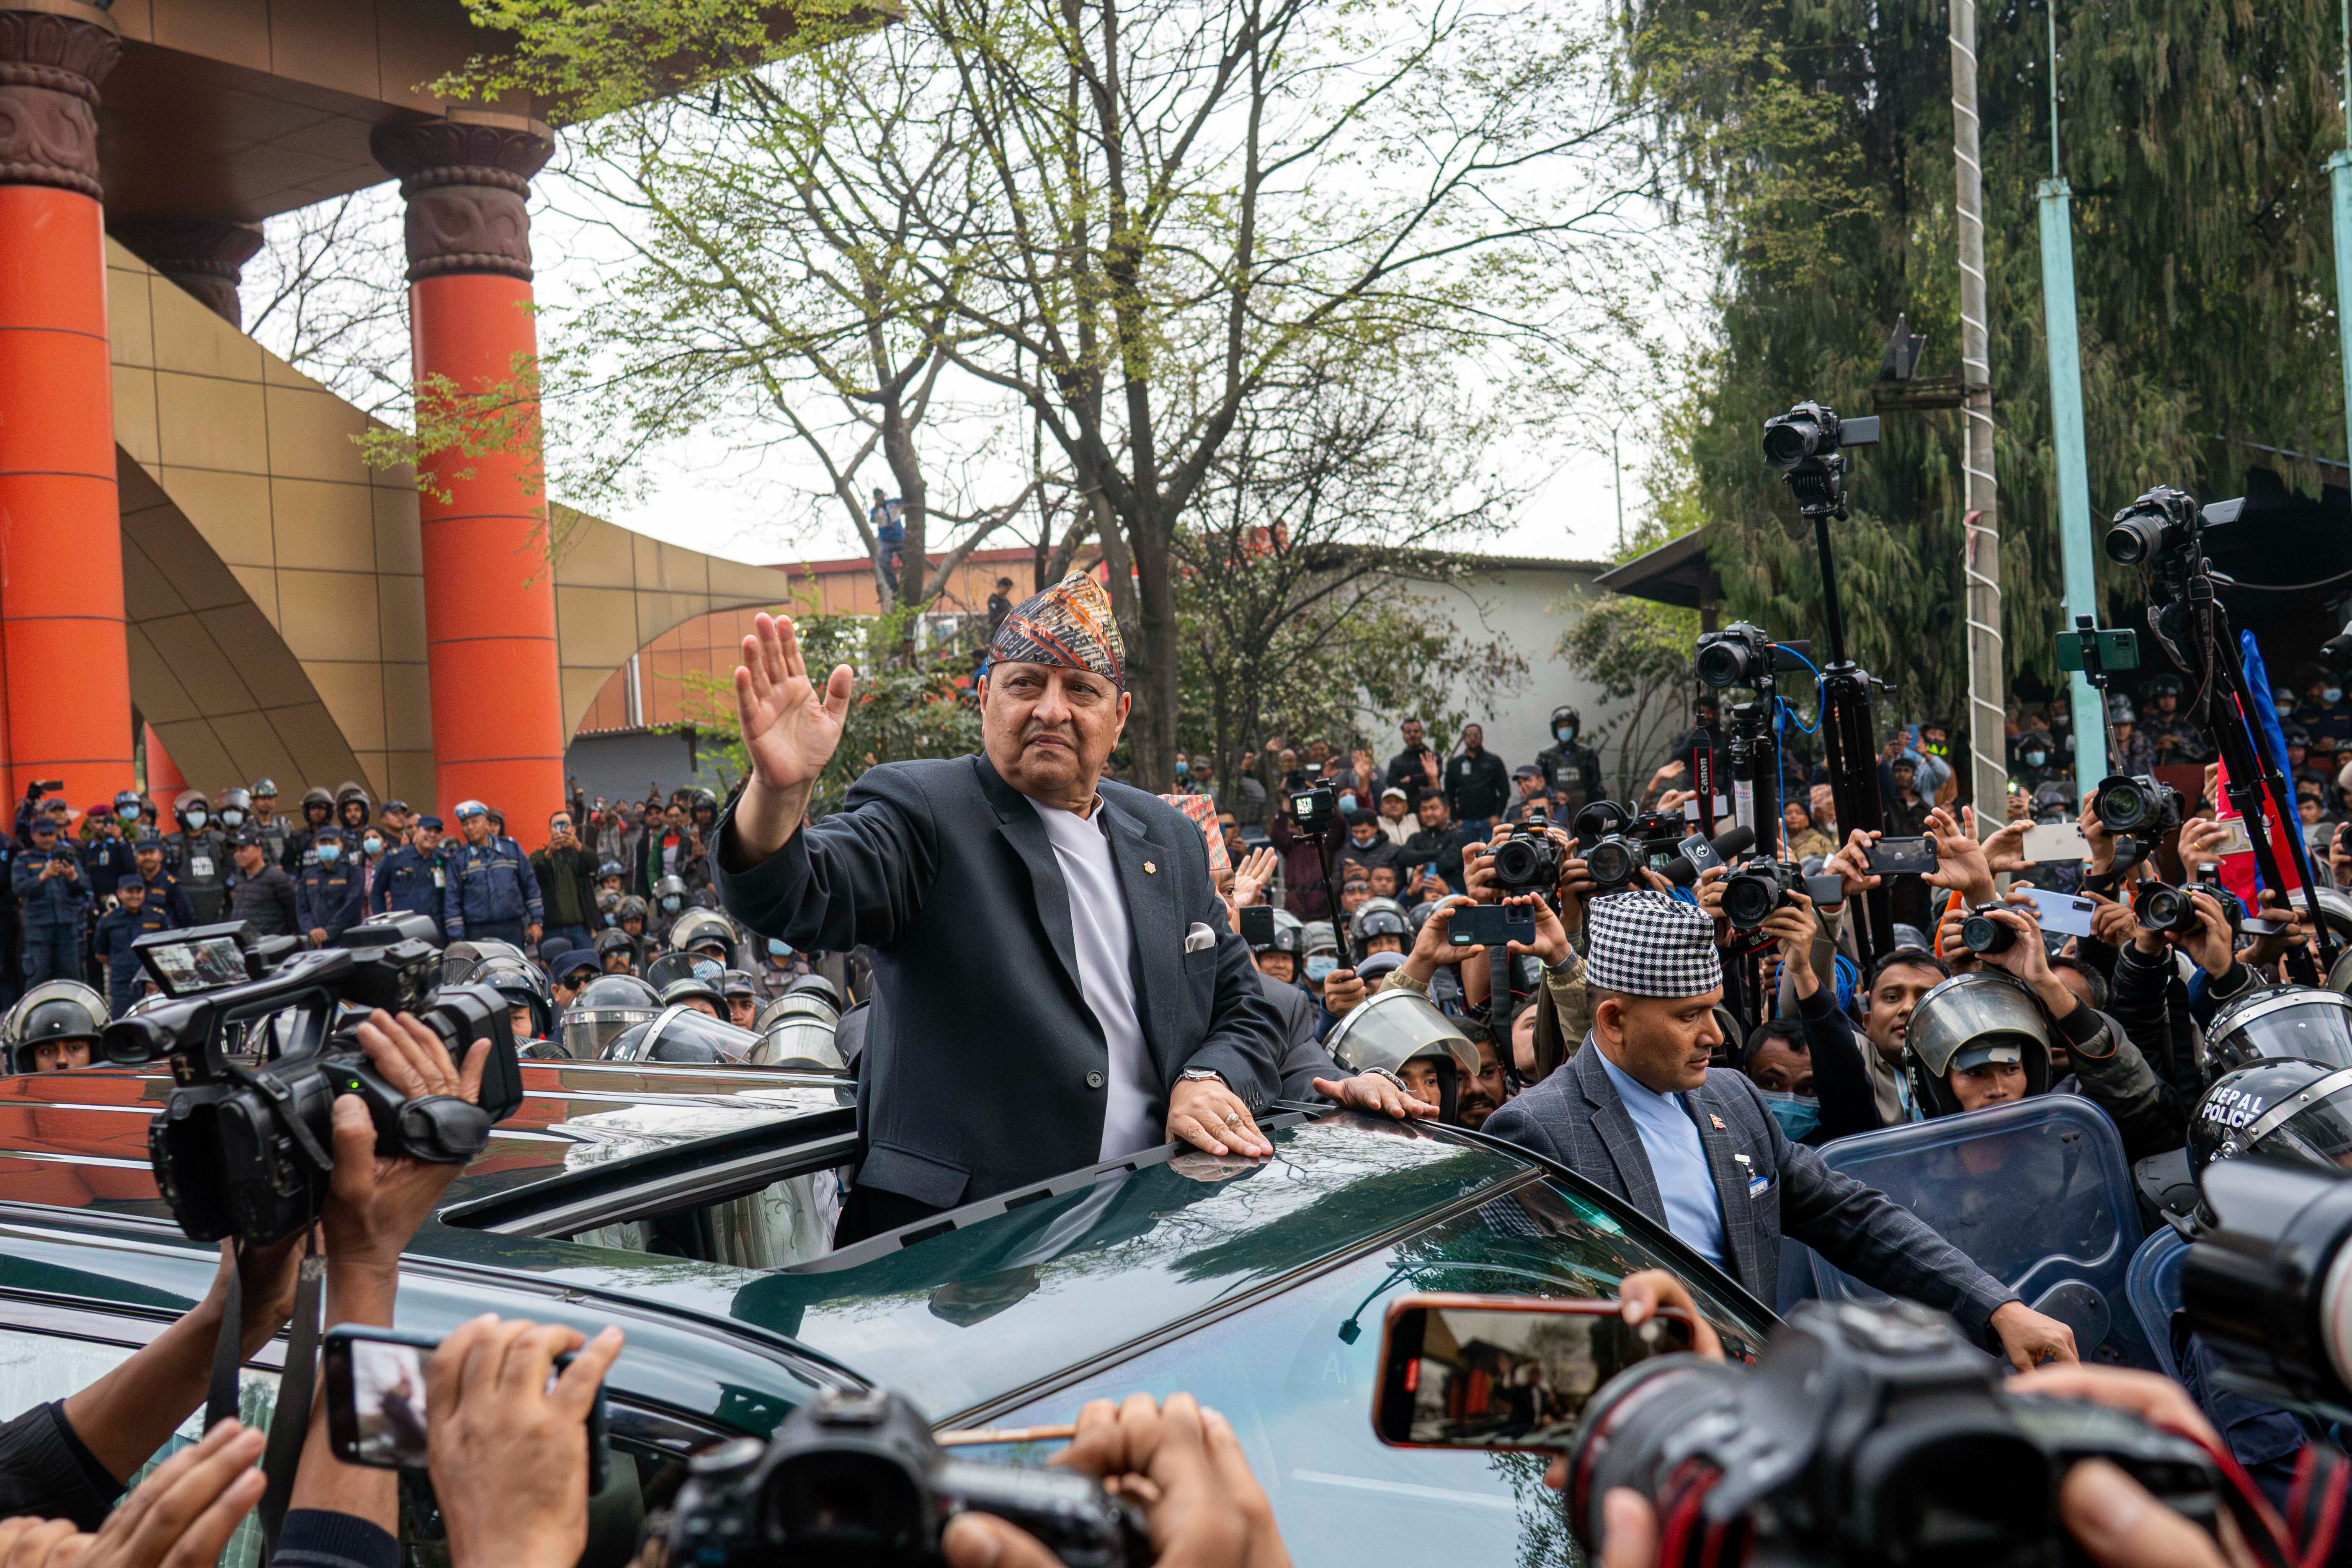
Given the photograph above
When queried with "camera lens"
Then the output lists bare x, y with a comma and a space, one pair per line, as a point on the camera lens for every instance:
2132, 541
1514, 862
1611, 862
1788, 442
1748, 900
1723, 664
2164, 909
2121, 806
1982, 933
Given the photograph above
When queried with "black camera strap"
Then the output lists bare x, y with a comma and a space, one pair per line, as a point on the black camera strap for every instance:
1498, 998
228, 1347
289, 1422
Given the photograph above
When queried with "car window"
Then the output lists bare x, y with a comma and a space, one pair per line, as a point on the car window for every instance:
1295, 1375
37, 1368
785, 1222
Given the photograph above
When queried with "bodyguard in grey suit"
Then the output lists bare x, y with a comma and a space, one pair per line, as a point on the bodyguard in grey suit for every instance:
1054, 978
1638, 1111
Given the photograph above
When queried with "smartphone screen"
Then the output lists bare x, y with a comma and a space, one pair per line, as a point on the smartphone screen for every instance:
377, 1409
1903, 857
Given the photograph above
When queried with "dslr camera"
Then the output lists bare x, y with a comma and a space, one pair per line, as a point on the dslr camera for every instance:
245, 1150
1862, 1435
2159, 906
1616, 846
1528, 861
1806, 445
1751, 894
1314, 810
1745, 656
855, 1476
2137, 810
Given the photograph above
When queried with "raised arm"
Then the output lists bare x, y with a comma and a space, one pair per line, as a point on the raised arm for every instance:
789, 733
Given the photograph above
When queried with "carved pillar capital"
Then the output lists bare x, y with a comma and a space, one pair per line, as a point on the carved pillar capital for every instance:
467, 180
205, 256
53, 55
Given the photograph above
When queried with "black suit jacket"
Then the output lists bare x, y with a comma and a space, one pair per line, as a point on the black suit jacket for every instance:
983, 1069
1576, 1118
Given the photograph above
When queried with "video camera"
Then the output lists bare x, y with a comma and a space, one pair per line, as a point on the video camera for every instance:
2165, 522
1862, 1435
1314, 810
1805, 444
857, 1476
246, 1151
1528, 861
1751, 894
2264, 1284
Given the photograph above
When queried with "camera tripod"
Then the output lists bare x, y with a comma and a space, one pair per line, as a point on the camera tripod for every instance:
2194, 627
1847, 743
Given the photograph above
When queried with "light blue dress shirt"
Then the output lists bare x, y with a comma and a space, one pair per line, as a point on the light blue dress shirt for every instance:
1677, 1161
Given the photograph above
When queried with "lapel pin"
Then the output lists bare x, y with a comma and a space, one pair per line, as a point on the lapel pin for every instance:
1719, 1127
1150, 869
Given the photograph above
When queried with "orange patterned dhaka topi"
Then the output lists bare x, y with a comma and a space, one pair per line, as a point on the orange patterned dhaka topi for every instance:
1068, 624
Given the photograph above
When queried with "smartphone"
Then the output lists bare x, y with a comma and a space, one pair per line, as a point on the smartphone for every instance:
1490, 925
2056, 841
1257, 925
375, 1400
1827, 890
1505, 1373
1903, 857
2061, 914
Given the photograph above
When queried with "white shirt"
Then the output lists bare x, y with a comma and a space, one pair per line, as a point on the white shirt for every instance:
1677, 1161
1104, 940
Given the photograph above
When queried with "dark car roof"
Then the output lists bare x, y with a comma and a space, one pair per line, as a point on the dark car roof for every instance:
967, 1312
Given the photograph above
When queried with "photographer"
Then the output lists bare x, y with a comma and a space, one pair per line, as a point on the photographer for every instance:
53, 896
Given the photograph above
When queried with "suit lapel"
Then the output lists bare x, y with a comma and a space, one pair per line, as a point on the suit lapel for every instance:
1152, 918
1730, 1184
1618, 1134
1017, 824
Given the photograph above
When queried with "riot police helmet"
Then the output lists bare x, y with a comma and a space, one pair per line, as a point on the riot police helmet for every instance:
1391, 1028
2163, 683
51, 1014
2282, 1108
523, 986
680, 1034
703, 928
315, 799
609, 869
606, 1008
191, 810
126, 805
633, 907
1567, 717
670, 894
235, 808
609, 942
796, 1032
1378, 917
2300, 1023
1979, 1019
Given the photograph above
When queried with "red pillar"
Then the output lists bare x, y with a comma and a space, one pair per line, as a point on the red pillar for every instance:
165, 780
489, 589
64, 675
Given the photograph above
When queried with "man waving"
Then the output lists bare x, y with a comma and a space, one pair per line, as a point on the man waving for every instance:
1055, 982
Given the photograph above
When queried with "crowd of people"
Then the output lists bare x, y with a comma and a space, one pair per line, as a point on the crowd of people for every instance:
1128, 993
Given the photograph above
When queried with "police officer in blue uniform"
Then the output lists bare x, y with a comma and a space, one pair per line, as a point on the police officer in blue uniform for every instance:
54, 895
163, 887
408, 881
131, 918
326, 895
491, 893
108, 857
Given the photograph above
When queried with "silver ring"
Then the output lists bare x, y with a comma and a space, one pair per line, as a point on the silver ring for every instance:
1232, 1119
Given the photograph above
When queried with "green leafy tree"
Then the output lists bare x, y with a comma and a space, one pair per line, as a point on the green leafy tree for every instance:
1131, 224
1813, 140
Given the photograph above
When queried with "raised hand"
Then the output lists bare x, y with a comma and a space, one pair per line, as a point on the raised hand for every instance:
790, 731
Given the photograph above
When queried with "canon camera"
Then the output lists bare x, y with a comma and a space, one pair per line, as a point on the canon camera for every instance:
261, 1039
855, 1476
1529, 861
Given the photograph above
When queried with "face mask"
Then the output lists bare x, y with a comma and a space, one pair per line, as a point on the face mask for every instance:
2035, 759
670, 906
330, 853
198, 818
232, 817
1347, 802
1320, 966
1798, 1114
127, 813
1183, 770
778, 949
373, 845
1564, 734
2331, 695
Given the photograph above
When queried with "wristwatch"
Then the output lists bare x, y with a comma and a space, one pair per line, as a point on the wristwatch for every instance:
1385, 1073
1199, 1075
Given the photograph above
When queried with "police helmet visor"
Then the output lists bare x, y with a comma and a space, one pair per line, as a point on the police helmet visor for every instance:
2298, 1023
1963, 1011
683, 1034
589, 1031
797, 1033
1391, 1028
2317, 1133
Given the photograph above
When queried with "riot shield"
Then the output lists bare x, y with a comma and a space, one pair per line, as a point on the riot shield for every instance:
2036, 1191
2154, 1288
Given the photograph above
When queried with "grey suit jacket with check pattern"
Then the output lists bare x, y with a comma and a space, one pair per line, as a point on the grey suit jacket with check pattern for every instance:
1576, 1118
